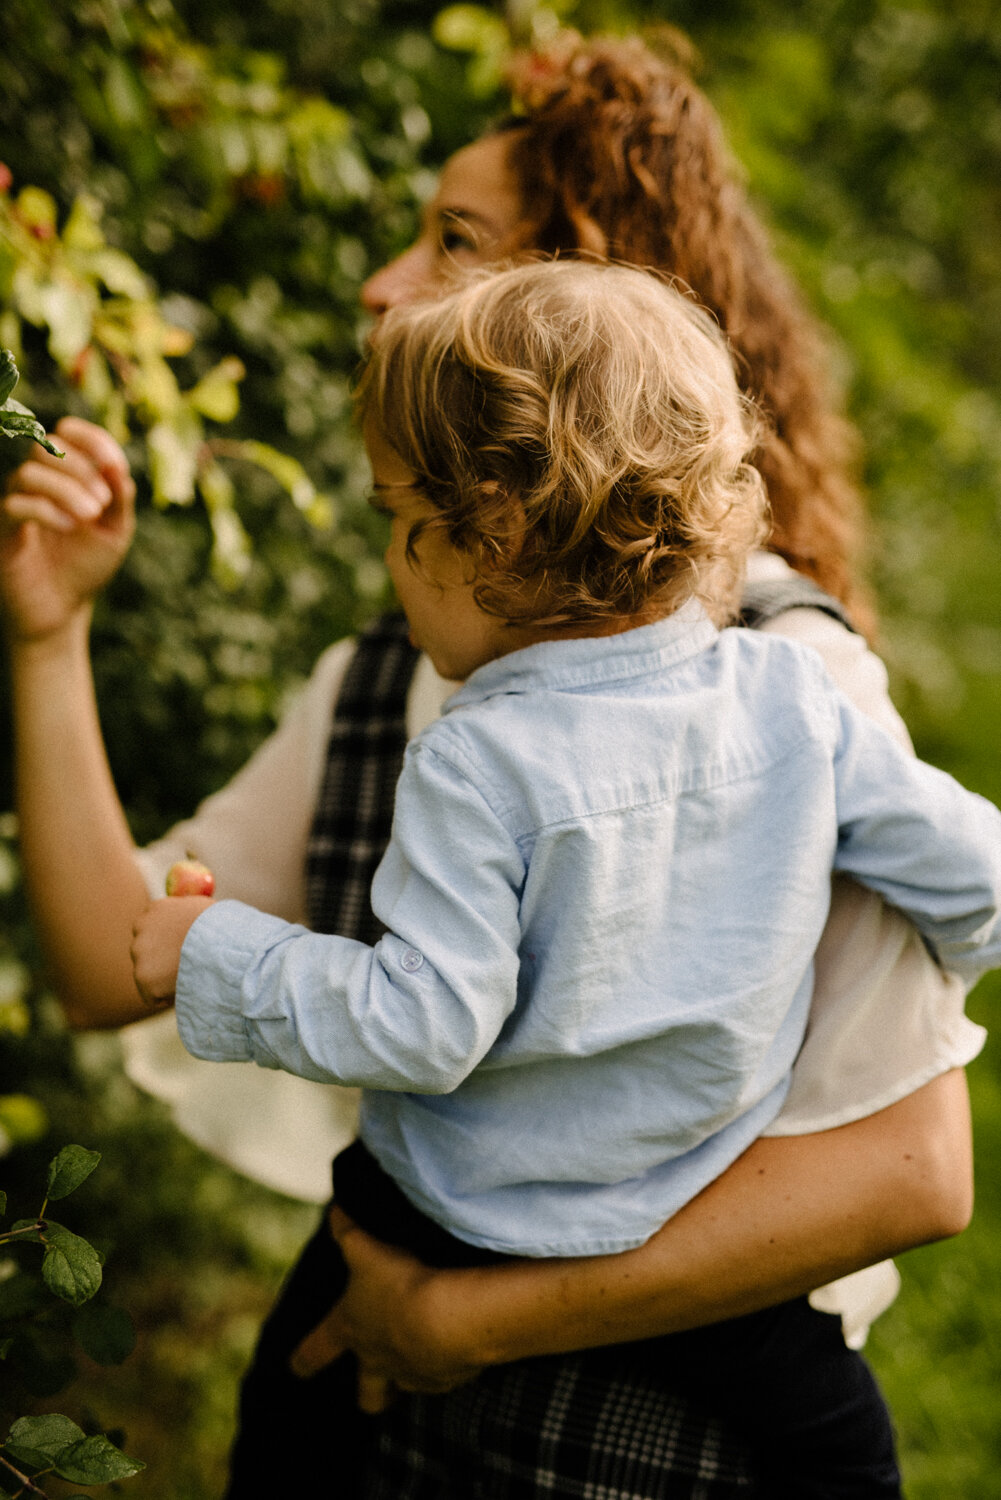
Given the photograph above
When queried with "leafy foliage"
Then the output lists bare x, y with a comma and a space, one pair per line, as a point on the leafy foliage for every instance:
37, 1446
195, 193
16, 421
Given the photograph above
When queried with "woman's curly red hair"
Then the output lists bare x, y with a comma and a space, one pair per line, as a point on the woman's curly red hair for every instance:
618, 152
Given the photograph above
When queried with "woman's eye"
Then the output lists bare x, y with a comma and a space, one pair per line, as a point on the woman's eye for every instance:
453, 240
379, 505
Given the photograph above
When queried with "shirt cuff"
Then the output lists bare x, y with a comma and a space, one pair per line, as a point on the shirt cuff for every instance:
221, 947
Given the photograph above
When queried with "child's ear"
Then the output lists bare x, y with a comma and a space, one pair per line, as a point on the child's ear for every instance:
505, 527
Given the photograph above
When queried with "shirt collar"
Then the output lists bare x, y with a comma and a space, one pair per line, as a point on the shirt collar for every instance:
588, 660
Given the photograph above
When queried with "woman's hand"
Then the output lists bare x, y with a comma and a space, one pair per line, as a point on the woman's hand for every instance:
381, 1318
791, 1214
157, 939
65, 526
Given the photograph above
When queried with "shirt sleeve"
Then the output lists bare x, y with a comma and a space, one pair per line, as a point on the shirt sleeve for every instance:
874, 978
924, 843
854, 666
272, 1127
415, 1013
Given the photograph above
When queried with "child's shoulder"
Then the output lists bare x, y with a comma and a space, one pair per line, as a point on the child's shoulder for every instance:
788, 660
779, 689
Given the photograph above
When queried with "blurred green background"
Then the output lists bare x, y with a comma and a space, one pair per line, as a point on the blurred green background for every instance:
247, 167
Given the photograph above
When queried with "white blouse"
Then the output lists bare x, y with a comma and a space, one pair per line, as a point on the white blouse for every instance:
884, 1020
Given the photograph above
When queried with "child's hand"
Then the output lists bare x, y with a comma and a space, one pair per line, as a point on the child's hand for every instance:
157, 939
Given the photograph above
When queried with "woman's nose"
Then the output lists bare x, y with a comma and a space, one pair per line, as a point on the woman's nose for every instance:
402, 280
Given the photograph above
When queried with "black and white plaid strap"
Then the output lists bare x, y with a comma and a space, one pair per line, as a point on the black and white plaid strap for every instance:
354, 814
764, 601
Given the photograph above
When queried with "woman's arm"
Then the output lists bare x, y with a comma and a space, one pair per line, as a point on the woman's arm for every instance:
792, 1213
65, 526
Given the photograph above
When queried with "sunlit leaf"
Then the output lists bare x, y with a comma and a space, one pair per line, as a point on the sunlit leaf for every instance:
8, 374
22, 1117
120, 273
173, 449
216, 395
82, 230
38, 210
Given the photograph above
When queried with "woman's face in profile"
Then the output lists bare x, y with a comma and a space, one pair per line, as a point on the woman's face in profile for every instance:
472, 218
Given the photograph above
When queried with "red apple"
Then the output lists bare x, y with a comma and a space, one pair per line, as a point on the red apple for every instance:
189, 877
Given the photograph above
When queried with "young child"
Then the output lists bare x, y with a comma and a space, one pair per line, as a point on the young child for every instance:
611, 858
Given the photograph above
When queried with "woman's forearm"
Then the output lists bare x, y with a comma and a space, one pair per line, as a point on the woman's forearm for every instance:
77, 852
792, 1214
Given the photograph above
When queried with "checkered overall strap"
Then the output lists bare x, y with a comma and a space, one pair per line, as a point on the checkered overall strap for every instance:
762, 602
354, 815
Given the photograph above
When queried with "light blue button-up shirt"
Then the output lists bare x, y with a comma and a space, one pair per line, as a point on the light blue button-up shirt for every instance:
609, 870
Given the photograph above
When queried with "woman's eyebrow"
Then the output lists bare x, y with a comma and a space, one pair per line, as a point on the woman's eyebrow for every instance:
467, 216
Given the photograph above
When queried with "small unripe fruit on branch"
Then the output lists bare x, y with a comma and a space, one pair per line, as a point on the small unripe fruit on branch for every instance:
189, 877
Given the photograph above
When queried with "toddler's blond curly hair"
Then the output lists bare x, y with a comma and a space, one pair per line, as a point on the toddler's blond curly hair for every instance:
577, 428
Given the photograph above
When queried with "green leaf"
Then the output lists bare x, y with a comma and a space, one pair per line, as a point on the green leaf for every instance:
68, 1169
173, 455
120, 274
38, 210
95, 1460
469, 28
105, 1333
20, 1225
71, 1268
3, 1201
216, 395
82, 230
288, 471
17, 421
5, 1347
8, 374
39, 1440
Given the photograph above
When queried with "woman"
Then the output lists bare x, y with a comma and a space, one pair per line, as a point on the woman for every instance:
617, 153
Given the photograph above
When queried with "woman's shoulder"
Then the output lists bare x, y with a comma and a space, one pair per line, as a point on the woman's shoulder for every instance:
855, 668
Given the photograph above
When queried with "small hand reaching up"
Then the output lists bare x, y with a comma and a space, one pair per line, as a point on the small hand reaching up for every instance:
65, 526
157, 939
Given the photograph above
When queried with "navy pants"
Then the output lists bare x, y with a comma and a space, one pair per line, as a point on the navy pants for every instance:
797, 1415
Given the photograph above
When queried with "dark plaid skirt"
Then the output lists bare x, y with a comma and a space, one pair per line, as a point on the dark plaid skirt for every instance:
573, 1427
771, 1406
